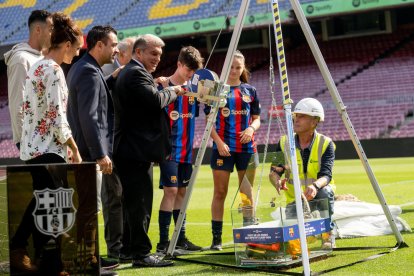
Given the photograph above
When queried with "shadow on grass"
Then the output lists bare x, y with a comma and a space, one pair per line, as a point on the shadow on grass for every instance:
225, 262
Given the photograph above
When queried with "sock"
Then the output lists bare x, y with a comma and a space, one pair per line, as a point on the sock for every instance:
217, 228
164, 221
176, 213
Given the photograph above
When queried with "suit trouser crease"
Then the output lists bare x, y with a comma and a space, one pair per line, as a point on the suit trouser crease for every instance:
136, 179
111, 195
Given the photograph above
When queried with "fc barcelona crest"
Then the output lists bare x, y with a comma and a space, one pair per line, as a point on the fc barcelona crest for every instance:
291, 232
191, 100
220, 162
173, 179
54, 213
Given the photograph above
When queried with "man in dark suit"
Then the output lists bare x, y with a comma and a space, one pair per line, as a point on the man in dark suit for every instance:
141, 137
116, 227
91, 118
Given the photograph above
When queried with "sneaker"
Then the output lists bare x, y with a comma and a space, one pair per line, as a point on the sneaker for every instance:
186, 244
20, 260
108, 264
162, 247
216, 245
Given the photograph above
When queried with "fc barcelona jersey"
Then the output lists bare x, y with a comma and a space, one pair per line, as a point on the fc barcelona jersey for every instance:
242, 103
182, 113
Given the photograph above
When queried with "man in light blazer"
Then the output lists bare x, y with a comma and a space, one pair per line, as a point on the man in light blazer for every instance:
91, 118
141, 137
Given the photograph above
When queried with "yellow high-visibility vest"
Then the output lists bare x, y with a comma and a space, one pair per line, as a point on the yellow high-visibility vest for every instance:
319, 146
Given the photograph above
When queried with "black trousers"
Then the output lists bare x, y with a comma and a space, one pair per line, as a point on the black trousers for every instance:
51, 177
111, 195
86, 216
136, 179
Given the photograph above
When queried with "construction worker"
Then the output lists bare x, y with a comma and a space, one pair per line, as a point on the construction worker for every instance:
315, 154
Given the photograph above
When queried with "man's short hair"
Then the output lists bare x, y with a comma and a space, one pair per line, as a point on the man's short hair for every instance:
143, 41
190, 57
38, 16
126, 43
99, 33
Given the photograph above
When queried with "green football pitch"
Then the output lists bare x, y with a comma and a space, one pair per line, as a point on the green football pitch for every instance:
396, 179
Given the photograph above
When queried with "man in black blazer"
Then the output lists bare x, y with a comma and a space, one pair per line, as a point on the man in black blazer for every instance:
91, 117
141, 137
117, 240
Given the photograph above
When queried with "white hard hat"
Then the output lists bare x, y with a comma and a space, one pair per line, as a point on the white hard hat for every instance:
311, 107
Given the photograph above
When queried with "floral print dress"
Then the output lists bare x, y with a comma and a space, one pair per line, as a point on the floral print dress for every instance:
45, 125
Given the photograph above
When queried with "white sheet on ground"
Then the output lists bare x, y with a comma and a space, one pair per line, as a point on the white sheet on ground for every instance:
356, 219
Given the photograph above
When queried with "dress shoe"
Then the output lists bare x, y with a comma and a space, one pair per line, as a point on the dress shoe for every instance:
151, 261
108, 264
125, 258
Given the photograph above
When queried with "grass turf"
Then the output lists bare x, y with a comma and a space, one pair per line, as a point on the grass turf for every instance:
396, 179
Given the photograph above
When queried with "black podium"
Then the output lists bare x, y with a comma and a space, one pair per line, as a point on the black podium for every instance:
52, 219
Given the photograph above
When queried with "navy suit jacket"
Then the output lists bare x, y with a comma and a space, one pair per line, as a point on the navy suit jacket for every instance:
90, 109
141, 123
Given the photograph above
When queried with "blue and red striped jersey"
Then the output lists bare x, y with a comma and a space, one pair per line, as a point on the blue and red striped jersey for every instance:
182, 113
242, 103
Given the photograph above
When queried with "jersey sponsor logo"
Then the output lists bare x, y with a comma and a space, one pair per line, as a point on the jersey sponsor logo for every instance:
247, 99
225, 111
173, 179
54, 213
175, 115
240, 112
219, 162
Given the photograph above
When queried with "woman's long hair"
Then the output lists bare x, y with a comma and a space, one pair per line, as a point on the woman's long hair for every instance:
64, 29
245, 75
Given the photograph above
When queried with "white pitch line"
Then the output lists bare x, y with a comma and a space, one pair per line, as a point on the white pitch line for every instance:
398, 183
407, 204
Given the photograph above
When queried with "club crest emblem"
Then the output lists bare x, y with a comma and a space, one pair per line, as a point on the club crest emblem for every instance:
291, 232
191, 100
54, 213
246, 99
220, 162
173, 179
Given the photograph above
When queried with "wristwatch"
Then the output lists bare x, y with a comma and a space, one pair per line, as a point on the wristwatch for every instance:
316, 186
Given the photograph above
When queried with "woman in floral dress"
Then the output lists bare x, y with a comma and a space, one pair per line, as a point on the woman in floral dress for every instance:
46, 139
46, 133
